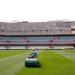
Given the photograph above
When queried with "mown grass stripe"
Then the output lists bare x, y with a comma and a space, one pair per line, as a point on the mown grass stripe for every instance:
70, 51
51, 64
10, 65
13, 68
8, 53
66, 54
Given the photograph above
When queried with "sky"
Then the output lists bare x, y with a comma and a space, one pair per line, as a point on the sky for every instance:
36, 10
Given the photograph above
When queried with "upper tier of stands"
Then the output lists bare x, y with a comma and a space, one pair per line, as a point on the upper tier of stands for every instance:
37, 28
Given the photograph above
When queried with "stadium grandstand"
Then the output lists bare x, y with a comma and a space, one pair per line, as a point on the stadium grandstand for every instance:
27, 35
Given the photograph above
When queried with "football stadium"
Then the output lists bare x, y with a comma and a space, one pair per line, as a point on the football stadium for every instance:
54, 42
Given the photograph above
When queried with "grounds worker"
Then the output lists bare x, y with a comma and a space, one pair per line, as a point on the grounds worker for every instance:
34, 54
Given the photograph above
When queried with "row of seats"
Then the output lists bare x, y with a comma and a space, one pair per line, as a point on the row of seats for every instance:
35, 26
37, 40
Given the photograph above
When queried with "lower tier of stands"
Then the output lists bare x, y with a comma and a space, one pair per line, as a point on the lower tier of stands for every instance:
40, 40
34, 47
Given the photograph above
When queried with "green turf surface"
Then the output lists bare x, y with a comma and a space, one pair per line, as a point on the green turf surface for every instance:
66, 54
12, 61
52, 63
71, 51
7, 53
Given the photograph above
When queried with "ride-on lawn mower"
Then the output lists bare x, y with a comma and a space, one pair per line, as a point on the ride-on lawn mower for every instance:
32, 61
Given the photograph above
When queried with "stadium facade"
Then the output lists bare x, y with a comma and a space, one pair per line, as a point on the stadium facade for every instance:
52, 34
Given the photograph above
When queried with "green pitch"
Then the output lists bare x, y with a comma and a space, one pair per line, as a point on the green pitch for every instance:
53, 62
